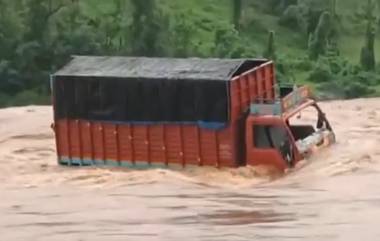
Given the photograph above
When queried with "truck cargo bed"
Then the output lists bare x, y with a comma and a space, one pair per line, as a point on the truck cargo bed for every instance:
103, 116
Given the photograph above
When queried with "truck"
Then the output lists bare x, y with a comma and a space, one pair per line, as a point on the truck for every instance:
141, 112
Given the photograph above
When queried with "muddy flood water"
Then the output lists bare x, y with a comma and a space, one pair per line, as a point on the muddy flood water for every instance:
333, 196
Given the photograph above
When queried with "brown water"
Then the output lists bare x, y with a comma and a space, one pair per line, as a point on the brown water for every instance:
334, 196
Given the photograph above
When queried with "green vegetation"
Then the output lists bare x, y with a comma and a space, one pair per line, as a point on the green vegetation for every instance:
330, 44
270, 52
367, 57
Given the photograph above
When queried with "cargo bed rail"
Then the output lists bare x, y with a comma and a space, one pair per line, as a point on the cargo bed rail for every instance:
279, 105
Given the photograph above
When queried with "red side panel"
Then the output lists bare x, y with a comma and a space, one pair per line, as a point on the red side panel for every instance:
141, 143
110, 142
98, 141
260, 84
191, 145
174, 144
157, 147
125, 136
269, 81
235, 100
86, 137
209, 150
226, 150
256, 84
75, 140
252, 87
244, 91
62, 138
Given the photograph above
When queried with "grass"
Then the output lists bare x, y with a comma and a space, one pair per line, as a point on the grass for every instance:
209, 14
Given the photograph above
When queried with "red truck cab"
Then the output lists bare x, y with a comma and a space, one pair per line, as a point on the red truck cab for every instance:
272, 138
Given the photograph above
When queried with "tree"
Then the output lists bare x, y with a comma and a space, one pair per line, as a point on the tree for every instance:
279, 6
228, 43
270, 52
237, 12
320, 5
148, 25
319, 40
334, 7
38, 15
119, 23
75, 34
292, 17
182, 33
10, 29
367, 55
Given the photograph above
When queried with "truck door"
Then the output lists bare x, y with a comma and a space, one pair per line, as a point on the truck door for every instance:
269, 143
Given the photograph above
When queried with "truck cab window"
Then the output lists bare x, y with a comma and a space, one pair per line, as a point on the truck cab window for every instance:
261, 137
269, 136
274, 137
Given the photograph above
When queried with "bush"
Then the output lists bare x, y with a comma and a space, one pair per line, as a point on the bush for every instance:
303, 64
354, 89
229, 44
367, 78
330, 90
285, 69
349, 86
277, 6
4, 100
321, 72
28, 97
291, 17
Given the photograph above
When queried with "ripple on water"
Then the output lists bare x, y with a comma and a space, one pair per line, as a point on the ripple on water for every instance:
234, 217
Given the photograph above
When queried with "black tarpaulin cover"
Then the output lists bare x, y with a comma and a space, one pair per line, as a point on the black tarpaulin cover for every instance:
139, 89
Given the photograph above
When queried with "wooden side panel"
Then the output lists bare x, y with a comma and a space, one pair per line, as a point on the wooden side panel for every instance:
227, 157
260, 84
62, 138
270, 76
174, 144
97, 134
86, 140
244, 90
125, 136
235, 100
209, 149
75, 143
268, 79
140, 143
110, 142
191, 145
157, 144
252, 87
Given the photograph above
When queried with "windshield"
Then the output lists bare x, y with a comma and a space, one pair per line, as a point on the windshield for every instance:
308, 121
